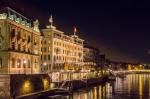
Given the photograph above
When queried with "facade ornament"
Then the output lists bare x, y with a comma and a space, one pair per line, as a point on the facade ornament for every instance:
51, 23
36, 25
3, 16
51, 20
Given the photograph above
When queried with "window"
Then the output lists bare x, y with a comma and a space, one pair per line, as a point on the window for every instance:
0, 63
45, 49
12, 33
29, 64
45, 42
19, 47
18, 63
44, 57
36, 63
29, 39
49, 42
18, 35
13, 62
24, 48
24, 63
0, 30
49, 57
49, 49
54, 58
13, 46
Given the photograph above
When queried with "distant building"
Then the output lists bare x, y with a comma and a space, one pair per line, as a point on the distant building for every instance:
19, 43
90, 56
60, 51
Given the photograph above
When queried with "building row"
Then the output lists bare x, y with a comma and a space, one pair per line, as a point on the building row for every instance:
26, 49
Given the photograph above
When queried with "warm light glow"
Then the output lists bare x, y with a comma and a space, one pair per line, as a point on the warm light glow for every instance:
27, 88
129, 67
25, 61
44, 63
140, 86
52, 85
46, 84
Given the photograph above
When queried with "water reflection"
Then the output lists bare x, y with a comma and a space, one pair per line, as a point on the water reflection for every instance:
134, 86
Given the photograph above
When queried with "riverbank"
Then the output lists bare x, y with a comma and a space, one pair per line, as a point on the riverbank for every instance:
75, 85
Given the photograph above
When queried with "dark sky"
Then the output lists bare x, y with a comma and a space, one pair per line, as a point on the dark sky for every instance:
120, 29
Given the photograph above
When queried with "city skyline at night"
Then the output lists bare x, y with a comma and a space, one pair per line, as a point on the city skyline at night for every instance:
74, 49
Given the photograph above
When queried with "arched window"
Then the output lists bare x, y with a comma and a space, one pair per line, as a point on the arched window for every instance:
18, 35
13, 62
19, 63
24, 63
29, 64
54, 58
29, 39
36, 63
19, 47
1, 63
12, 33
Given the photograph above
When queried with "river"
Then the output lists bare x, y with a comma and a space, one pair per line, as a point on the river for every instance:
133, 86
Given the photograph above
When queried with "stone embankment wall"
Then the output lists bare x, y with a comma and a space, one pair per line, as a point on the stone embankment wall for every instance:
15, 85
4, 86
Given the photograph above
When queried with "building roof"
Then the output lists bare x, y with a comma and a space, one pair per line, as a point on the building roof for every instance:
10, 11
90, 47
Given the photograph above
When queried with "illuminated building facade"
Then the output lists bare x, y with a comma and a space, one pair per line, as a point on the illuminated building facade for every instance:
19, 43
60, 51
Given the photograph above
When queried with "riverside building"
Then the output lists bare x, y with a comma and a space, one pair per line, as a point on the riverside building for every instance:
60, 51
19, 43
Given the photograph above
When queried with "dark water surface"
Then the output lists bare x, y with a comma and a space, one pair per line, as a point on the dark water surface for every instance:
133, 86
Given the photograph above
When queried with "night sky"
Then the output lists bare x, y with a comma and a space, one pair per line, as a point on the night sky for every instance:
120, 29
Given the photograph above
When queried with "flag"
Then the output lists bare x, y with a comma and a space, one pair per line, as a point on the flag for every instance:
75, 29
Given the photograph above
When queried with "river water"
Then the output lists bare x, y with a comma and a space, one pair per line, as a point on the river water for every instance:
133, 86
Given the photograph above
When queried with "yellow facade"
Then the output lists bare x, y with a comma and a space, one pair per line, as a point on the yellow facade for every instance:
19, 46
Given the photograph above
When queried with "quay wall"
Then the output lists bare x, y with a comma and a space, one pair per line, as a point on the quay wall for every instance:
15, 85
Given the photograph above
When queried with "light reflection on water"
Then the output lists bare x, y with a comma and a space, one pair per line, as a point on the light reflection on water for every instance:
134, 86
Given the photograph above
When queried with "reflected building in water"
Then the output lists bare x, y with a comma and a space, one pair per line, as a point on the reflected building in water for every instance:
134, 86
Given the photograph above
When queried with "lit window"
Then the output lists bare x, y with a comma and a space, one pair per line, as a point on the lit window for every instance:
13, 62
18, 63
0, 63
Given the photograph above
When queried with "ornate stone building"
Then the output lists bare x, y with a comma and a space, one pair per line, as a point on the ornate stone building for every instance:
60, 51
19, 43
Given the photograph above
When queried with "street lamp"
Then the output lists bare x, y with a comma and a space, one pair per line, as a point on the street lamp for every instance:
44, 63
24, 63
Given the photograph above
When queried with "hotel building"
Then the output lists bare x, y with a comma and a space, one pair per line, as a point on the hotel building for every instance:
60, 51
19, 43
